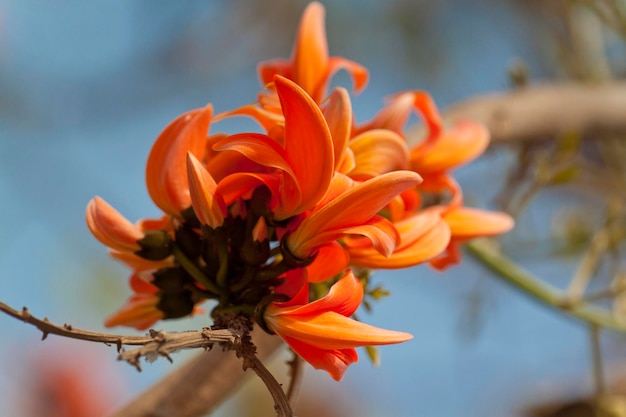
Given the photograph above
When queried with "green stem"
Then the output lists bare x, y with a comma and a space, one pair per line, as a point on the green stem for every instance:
194, 271
513, 274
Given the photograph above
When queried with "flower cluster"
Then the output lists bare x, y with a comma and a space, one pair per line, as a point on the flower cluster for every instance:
273, 225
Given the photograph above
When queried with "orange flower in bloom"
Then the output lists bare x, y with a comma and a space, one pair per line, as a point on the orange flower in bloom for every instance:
307, 147
309, 66
321, 331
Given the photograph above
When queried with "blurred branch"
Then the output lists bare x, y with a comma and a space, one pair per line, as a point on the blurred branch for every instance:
542, 112
513, 274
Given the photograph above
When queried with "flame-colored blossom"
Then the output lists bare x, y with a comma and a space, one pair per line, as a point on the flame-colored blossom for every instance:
251, 217
323, 333
310, 66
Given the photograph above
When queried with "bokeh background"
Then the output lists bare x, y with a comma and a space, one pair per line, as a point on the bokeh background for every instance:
85, 88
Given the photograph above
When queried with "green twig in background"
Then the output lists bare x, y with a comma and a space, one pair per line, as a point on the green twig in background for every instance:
484, 251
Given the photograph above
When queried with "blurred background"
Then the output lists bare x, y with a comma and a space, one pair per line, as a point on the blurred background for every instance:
85, 88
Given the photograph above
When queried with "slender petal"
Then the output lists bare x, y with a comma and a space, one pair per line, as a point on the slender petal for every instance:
111, 228
338, 113
378, 151
208, 205
310, 67
454, 147
330, 261
467, 223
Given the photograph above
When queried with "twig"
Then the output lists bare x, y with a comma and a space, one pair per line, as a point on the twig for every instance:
247, 351
155, 344
197, 387
548, 295
296, 366
281, 403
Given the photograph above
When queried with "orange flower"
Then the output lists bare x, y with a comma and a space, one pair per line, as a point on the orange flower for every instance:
309, 66
307, 147
321, 331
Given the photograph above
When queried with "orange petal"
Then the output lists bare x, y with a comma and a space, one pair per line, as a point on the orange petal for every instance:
166, 171
395, 114
343, 298
338, 113
330, 330
378, 151
308, 148
423, 237
335, 362
267, 119
358, 72
454, 147
111, 228
310, 54
350, 209
331, 260
140, 312
468, 223
208, 205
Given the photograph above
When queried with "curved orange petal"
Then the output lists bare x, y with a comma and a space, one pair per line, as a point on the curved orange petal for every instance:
421, 240
454, 147
242, 184
308, 148
331, 260
357, 72
111, 228
330, 330
467, 223
166, 170
207, 203
335, 362
378, 151
343, 298
352, 208
337, 110
396, 113
310, 53
265, 118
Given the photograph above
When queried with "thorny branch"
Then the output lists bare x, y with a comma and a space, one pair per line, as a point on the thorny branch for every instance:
161, 343
155, 344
